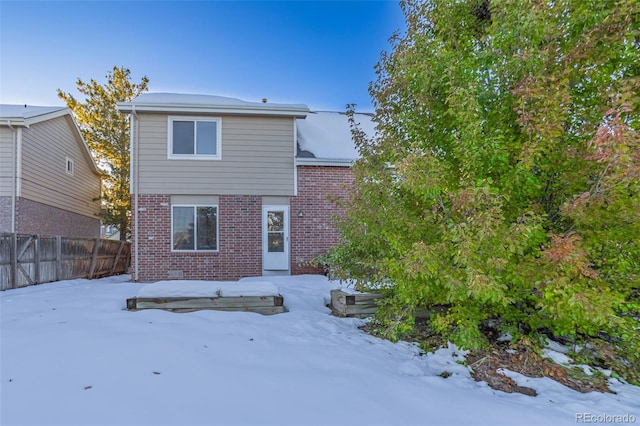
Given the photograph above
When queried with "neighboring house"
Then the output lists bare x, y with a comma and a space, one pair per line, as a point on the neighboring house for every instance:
223, 188
49, 183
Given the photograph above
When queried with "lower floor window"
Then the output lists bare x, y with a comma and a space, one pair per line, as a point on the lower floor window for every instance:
194, 228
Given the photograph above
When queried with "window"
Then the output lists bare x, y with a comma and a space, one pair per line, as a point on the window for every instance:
69, 168
275, 231
194, 228
194, 138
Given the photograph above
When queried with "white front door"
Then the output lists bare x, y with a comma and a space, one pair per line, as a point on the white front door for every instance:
275, 238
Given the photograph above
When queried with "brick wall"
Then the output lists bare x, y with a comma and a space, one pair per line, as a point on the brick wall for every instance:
314, 233
37, 218
240, 231
239, 240
240, 236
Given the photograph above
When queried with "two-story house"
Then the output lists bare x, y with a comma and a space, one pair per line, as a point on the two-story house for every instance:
222, 188
49, 183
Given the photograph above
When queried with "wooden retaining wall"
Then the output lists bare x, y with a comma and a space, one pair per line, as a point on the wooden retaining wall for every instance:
360, 305
265, 305
34, 259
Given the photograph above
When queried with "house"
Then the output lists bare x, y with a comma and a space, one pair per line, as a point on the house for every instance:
49, 183
223, 188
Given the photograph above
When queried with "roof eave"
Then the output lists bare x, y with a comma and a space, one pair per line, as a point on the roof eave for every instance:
47, 116
28, 121
285, 110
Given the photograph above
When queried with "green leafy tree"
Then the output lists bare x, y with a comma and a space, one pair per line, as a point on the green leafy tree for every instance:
504, 181
107, 134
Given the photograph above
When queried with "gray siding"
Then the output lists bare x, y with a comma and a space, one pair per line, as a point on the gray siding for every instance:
257, 159
45, 148
6, 161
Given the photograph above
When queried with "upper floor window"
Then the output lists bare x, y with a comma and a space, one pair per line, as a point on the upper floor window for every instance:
194, 138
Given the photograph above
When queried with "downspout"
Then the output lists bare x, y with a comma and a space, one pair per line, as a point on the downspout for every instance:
18, 163
295, 156
134, 186
14, 175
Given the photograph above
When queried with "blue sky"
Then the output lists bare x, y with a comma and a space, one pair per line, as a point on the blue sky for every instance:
320, 53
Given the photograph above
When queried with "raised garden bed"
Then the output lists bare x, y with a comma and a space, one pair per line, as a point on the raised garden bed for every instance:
186, 296
347, 304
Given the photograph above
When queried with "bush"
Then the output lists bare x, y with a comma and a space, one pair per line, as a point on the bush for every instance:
504, 181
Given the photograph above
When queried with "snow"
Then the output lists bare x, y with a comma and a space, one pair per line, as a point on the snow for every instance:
557, 357
180, 288
8, 111
327, 135
71, 354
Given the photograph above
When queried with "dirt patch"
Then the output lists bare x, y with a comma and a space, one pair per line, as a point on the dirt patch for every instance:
485, 365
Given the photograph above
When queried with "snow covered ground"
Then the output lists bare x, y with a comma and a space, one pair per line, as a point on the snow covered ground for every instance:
72, 355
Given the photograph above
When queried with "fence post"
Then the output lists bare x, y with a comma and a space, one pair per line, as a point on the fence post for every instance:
117, 259
58, 258
94, 258
14, 259
36, 259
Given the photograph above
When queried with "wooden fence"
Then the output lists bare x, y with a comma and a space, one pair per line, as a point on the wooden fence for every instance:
34, 259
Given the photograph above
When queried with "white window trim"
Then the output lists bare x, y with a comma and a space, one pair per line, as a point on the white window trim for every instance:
195, 228
172, 156
69, 161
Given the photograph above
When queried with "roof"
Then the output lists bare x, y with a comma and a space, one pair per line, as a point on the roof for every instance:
324, 137
25, 115
190, 103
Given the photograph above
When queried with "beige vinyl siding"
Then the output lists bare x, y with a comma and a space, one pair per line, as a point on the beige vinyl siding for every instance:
257, 159
6, 161
45, 149
276, 201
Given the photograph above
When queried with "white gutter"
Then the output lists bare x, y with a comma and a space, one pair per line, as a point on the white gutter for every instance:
210, 109
11, 122
334, 162
133, 184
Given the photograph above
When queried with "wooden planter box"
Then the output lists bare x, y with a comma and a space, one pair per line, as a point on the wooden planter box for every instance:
358, 305
265, 305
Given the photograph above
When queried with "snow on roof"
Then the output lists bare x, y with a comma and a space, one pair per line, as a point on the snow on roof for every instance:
190, 99
327, 134
183, 102
26, 112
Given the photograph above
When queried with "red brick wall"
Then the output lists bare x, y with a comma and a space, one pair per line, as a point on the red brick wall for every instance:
240, 231
37, 218
239, 240
314, 233
240, 236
